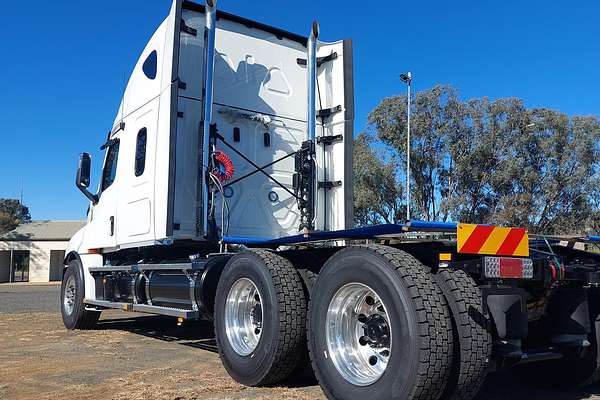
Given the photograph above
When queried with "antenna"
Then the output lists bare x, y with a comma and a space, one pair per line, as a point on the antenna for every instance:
123, 97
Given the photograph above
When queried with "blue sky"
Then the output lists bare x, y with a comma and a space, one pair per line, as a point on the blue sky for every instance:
64, 65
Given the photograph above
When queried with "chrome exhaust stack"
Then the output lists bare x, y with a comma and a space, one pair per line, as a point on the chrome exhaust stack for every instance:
211, 28
311, 68
305, 177
209, 57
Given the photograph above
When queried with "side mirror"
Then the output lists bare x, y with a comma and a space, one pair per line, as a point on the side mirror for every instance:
82, 181
84, 170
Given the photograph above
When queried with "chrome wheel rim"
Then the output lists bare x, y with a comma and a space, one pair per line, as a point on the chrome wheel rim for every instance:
69, 296
244, 316
359, 334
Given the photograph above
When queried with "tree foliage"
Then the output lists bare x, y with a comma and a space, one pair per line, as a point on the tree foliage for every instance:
482, 161
12, 213
378, 197
431, 116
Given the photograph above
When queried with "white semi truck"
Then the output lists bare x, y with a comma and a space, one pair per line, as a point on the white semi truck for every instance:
226, 195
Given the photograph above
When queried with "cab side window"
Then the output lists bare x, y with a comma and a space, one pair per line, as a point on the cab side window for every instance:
140, 151
110, 167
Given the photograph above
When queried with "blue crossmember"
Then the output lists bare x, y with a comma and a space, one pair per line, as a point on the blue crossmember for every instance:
355, 233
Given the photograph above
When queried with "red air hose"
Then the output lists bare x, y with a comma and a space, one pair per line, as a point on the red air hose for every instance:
223, 166
553, 274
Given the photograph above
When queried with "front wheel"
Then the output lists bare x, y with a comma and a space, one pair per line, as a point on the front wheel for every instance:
379, 327
72, 293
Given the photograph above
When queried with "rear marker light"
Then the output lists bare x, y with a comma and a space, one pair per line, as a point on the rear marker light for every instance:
445, 256
503, 267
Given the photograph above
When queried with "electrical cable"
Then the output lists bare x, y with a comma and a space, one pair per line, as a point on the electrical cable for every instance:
224, 204
560, 268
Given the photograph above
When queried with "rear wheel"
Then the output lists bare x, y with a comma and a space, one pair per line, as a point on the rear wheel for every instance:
304, 371
260, 318
472, 339
72, 294
379, 327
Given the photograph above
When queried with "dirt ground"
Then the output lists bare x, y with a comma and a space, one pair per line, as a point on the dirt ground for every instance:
133, 356
125, 358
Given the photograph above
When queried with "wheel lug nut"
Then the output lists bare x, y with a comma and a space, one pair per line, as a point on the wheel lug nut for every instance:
373, 360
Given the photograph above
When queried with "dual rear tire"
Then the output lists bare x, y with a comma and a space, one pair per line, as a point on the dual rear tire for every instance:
472, 338
379, 325
260, 314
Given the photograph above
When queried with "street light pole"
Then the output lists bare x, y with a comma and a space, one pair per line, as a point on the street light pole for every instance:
407, 78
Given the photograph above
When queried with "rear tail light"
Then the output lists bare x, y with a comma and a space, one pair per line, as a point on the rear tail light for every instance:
510, 268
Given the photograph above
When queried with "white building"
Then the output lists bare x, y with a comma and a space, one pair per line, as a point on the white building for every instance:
34, 251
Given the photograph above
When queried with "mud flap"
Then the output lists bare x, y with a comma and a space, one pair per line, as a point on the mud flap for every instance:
506, 305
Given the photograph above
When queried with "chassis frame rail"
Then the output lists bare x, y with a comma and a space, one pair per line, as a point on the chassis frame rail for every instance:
376, 231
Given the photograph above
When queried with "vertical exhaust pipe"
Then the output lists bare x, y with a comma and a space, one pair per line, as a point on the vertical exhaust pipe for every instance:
309, 188
209, 57
311, 68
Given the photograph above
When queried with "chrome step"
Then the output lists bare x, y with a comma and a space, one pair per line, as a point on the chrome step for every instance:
145, 308
174, 312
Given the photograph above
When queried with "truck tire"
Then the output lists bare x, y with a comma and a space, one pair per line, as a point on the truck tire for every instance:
260, 318
308, 279
379, 327
472, 339
72, 294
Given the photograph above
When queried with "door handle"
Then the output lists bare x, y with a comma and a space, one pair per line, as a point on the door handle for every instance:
112, 225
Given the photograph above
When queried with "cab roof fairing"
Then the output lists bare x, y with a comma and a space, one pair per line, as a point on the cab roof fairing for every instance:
140, 89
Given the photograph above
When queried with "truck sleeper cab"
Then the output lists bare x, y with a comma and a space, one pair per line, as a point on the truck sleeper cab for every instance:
226, 195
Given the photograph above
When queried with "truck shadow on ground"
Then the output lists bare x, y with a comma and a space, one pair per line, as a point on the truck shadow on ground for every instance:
197, 334
200, 335
506, 386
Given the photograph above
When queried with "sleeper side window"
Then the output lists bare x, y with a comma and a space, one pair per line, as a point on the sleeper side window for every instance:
140, 151
110, 167
150, 65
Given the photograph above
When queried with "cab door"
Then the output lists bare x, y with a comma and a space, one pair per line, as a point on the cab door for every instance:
101, 233
136, 178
